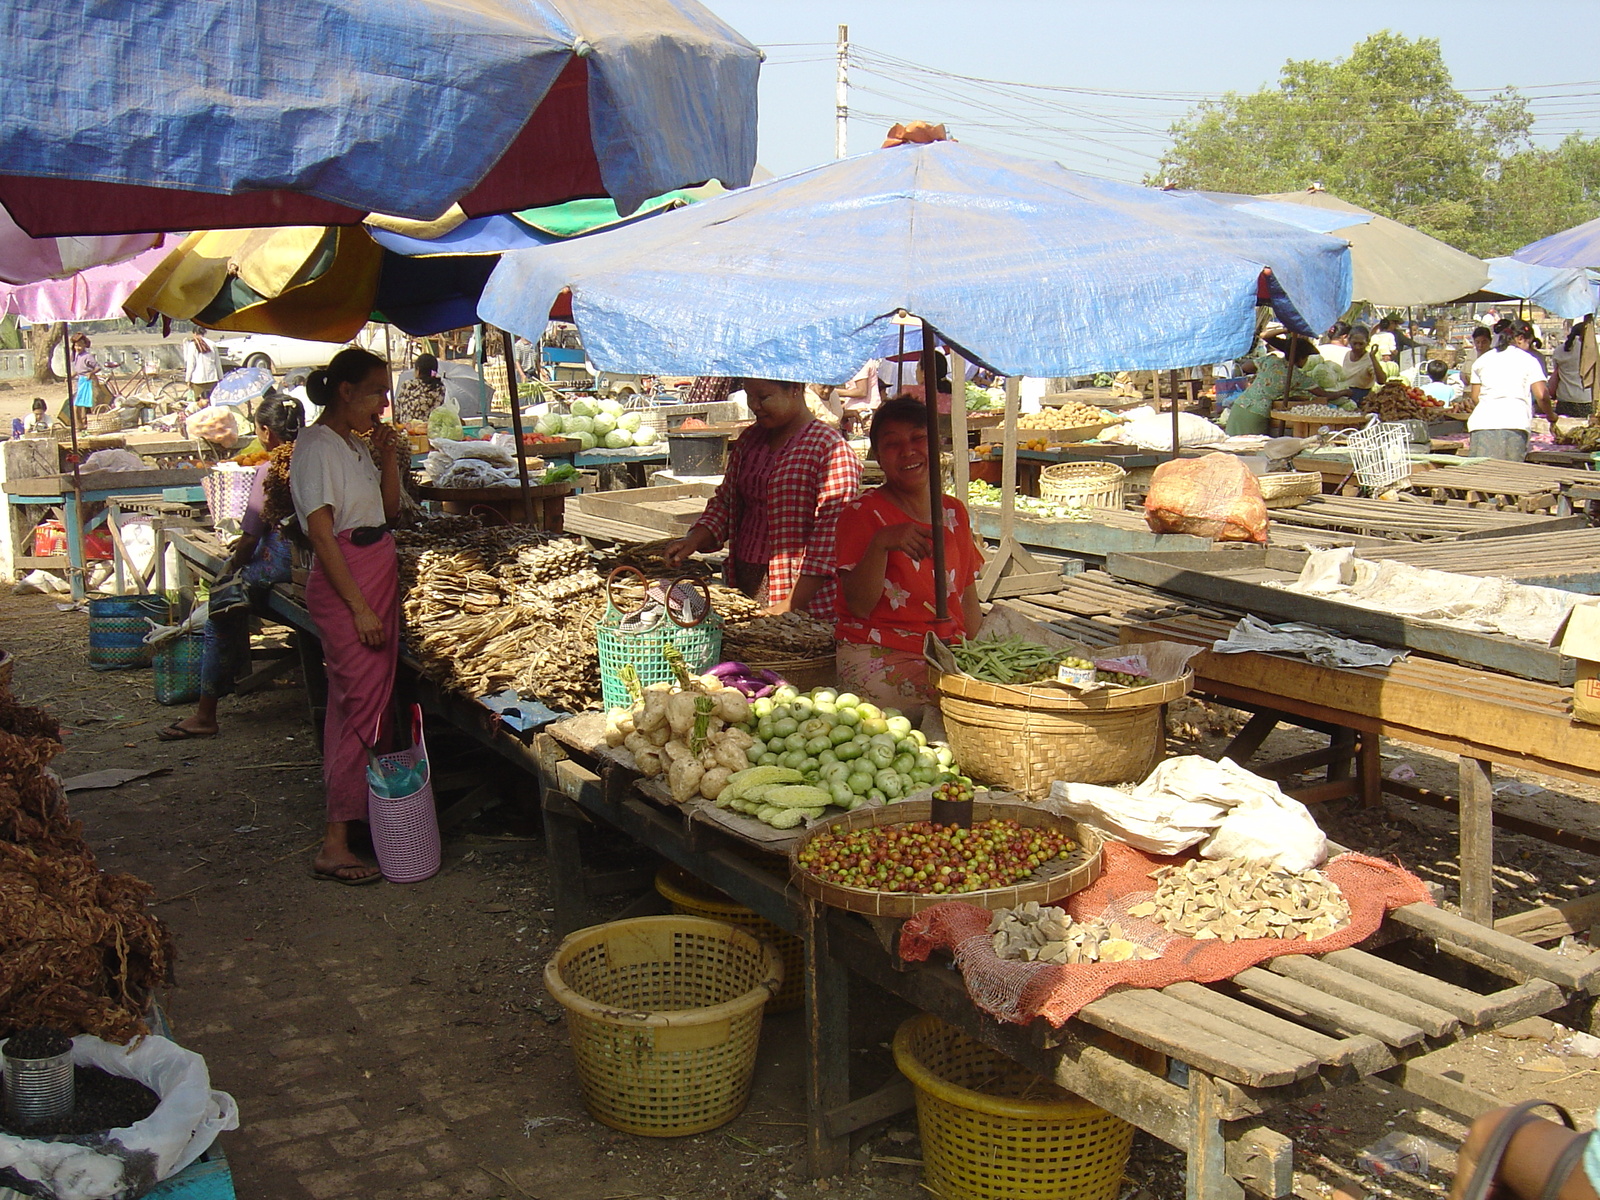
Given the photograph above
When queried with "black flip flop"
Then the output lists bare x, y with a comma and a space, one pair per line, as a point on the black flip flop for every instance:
333, 876
177, 733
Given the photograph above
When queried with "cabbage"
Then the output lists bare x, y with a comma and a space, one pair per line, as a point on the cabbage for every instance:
608, 405
549, 424
587, 441
630, 421
602, 423
618, 439
645, 437
577, 424
583, 408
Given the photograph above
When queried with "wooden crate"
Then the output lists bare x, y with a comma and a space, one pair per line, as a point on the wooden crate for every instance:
670, 508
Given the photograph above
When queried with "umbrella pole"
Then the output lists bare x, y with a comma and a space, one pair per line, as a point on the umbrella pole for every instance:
961, 471
1288, 374
930, 400
76, 571
516, 428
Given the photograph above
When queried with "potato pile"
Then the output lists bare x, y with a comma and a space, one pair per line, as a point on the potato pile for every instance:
1071, 415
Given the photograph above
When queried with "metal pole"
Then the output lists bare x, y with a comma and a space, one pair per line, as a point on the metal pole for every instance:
841, 96
930, 400
516, 429
76, 572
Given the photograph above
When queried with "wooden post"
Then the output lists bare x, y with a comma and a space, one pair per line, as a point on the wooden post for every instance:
1207, 1176
828, 1037
930, 400
1477, 840
958, 424
1008, 465
1011, 570
516, 428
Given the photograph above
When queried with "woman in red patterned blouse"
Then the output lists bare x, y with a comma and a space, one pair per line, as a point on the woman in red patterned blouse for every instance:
777, 507
885, 548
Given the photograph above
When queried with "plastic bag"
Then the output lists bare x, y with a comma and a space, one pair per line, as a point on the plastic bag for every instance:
124, 1163
444, 422
1212, 497
1154, 432
1276, 829
217, 425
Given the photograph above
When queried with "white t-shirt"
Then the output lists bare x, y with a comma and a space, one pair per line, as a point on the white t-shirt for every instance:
327, 470
1569, 380
201, 366
1505, 397
1385, 342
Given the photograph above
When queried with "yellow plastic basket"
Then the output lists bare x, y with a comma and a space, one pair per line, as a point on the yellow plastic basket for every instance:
992, 1130
664, 1014
695, 898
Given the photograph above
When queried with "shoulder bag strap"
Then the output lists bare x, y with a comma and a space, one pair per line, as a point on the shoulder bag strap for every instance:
1484, 1174
1565, 1162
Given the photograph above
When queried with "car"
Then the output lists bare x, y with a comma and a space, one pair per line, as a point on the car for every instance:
274, 352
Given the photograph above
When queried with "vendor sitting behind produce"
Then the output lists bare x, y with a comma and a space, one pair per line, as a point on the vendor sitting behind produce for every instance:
1251, 410
885, 554
778, 504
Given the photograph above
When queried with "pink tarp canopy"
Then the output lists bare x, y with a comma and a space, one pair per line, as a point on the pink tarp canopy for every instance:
25, 259
92, 295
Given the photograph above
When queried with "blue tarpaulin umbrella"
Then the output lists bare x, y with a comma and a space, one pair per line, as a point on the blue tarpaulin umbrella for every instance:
145, 115
1026, 267
1564, 291
1575, 247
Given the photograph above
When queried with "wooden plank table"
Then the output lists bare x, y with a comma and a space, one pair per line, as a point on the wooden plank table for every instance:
1125, 531
1408, 521
1530, 487
1271, 1035
1483, 717
1567, 558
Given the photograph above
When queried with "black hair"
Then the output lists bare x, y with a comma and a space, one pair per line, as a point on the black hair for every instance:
350, 365
1436, 370
39, 404
941, 371
1336, 331
1386, 323
1362, 330
1576, 331
908, 409
281, 414
1481, 331
426, 366
1303, 347
1507, 332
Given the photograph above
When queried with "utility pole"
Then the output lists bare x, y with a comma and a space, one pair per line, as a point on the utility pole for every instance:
841, 96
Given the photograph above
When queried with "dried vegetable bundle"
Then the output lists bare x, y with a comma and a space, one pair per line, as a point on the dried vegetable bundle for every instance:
79, 950
507, 607
782, 637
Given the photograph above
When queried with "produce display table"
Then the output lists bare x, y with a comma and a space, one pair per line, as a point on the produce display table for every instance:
548, 502
1483, 717
1303, 425
1125, 531
1293, 1028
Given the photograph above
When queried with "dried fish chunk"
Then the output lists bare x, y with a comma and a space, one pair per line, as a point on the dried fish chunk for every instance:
1230, 899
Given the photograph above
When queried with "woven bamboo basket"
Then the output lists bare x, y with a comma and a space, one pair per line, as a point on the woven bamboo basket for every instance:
665, 1016
993, 1130
1025, 738
1284, 488
1054, 881
695, 898
803, 673
1090, 485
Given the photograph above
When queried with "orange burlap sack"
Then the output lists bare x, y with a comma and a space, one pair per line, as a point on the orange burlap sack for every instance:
1018, 992
1212, 497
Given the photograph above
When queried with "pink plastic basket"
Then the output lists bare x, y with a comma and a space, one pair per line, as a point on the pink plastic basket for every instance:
228, 492
405, 830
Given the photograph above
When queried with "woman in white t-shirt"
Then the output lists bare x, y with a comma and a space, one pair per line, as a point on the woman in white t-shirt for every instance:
345, 494
1566, 374
1506, 383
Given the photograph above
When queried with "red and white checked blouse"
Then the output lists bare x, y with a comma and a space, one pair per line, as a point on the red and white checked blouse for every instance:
811, 478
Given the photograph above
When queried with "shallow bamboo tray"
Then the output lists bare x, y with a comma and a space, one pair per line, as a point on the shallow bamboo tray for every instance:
1055, 880
803, 673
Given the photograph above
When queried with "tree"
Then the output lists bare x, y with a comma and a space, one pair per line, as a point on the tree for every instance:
42, 340
1539, 192
1384, 128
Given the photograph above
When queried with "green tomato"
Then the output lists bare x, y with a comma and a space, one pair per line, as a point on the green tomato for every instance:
927, 760
847, 700
898, 726
924, 775
786, 693
801, 707
767, 759
919, 737
762, 707
877, 796
835, 772
859, 782
777, 744
784, 726
824, 695
817, 745
906, 746
880, 756
847, 751
765, 730
874, 725
841, 794
847, 716
793, 759
815, 727
888, 782
808, 767
869, 712
826, 757
824, 708
884, 739
795, 741
905, 763
840, 734
780, 711
945, 756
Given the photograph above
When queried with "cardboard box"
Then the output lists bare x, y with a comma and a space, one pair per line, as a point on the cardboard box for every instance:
1580, 639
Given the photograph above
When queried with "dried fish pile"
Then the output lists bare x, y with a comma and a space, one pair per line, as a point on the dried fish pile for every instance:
492, 608
1231, 899
784, 637
1033, 932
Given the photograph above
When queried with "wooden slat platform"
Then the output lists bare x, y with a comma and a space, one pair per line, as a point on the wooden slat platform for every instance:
1528, 486
1124, 531
1568, 559
1093, 607
1401, 521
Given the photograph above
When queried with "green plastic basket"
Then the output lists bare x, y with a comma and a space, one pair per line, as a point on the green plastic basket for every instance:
177, 669
700, 645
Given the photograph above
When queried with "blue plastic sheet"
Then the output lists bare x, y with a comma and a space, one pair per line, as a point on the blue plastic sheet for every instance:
1575, 247
1028, 268
399, 107
1564, 291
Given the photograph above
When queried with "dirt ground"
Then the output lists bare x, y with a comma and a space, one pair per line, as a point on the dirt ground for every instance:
397, 1041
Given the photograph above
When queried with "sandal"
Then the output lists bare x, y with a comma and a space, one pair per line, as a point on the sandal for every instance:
177, 733
335, 876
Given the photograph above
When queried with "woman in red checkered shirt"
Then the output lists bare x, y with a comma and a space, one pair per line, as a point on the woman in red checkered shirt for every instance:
787, 478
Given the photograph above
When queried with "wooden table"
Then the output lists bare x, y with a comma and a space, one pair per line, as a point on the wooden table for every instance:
1125, 531
1295, 1027
1303, 425
1530, 487
1409, 521
1567, 558
1483, 717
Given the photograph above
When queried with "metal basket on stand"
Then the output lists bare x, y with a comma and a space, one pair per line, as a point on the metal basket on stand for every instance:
1382, 455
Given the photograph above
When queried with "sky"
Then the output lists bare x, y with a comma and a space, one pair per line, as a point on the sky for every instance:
1163, 54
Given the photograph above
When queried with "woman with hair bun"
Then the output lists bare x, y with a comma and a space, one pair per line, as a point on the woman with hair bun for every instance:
346, 492
260, 558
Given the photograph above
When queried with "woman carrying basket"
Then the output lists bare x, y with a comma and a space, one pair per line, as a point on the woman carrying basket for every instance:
885, 548
345, 494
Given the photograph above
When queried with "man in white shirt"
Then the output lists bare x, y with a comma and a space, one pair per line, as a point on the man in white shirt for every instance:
202, 365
